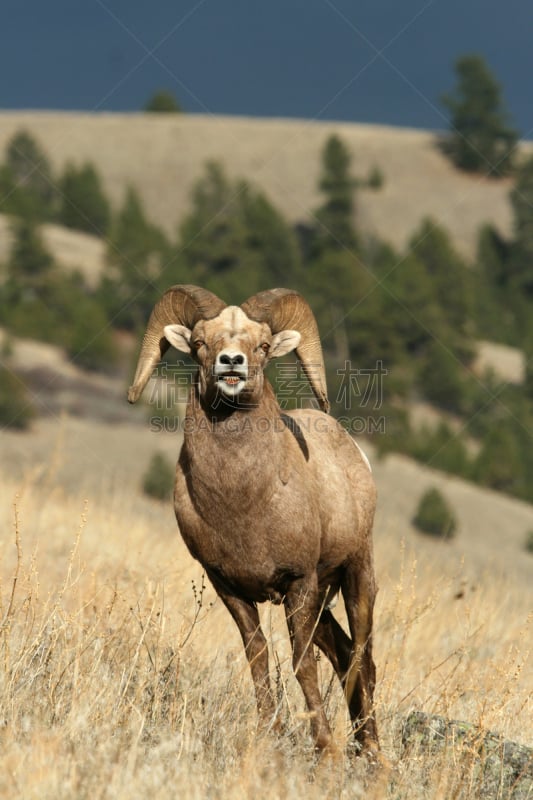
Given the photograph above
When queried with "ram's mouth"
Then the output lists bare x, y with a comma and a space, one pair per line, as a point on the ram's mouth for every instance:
231, 379
232, 382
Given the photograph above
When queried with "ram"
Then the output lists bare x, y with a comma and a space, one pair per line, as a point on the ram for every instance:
276, 505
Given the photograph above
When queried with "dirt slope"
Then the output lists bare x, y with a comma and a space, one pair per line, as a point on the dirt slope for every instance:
163, 155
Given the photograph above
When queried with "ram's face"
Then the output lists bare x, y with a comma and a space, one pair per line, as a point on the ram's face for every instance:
232, 351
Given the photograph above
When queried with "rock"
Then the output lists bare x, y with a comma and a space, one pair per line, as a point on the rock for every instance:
498, 768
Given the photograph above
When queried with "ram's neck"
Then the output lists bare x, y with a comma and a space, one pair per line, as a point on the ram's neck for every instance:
224, 448
232, 421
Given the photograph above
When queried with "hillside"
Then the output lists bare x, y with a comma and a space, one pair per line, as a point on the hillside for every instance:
122, 675
71, 249
163, 155
83, 456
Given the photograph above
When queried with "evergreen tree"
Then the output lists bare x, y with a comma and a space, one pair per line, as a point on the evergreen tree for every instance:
26, 180
481, 138
84, 205
434, 515
234, 241
452, 282
493, 256
30, 267
136, 248
441, 380
88, 340
412, 305
25, 294
520, 269
163, 101
335, 217
495, 317
499, 463
441, 448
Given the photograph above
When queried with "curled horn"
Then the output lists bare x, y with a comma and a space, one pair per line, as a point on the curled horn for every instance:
284, 309
183, 304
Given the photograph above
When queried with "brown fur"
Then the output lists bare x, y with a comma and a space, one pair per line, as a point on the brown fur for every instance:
279, 506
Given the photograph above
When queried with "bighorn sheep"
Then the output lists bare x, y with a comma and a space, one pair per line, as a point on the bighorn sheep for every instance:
275, 505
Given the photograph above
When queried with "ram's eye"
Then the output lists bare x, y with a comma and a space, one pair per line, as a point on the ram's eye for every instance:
198, 343
265, 347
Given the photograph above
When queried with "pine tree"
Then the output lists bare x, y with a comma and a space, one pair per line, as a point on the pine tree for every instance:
234, 241
164, 102
26, 180
499, 463
84, 205
30, 267
481, 138
136, 247
335, 217
434, 515
26, 294
520, 269
451, 280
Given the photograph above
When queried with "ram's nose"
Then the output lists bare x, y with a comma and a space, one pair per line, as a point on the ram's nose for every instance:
231, 372
231, 359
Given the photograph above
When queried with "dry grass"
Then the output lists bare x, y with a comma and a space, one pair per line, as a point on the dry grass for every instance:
122, 676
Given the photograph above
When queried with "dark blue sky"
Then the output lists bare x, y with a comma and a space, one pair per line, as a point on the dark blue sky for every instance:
384, 61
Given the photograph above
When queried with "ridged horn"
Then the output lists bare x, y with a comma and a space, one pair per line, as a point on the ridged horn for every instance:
284, 309
184, 304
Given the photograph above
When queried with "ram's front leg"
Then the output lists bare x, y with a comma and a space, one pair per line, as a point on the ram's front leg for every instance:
302, 609
255, 645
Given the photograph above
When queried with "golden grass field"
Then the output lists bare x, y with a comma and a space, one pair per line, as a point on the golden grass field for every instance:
123, 676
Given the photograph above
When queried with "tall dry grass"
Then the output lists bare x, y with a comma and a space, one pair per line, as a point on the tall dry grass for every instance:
122, 676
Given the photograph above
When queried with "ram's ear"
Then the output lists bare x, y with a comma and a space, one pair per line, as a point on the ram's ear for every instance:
283, 342
179, 337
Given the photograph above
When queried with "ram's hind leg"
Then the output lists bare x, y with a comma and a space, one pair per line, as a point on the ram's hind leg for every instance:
302, 609
359, 593
255, 645
334, 643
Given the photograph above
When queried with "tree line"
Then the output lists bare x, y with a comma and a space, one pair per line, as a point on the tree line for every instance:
419, 312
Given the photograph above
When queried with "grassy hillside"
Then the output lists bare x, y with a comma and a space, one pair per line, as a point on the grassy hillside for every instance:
163, 155
121, 676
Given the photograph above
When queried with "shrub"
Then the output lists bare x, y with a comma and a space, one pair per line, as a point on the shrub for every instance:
158, 479
376, 178
434, 516
529, 542
16, 410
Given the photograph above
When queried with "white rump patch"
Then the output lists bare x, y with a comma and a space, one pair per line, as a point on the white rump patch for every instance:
364, 455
